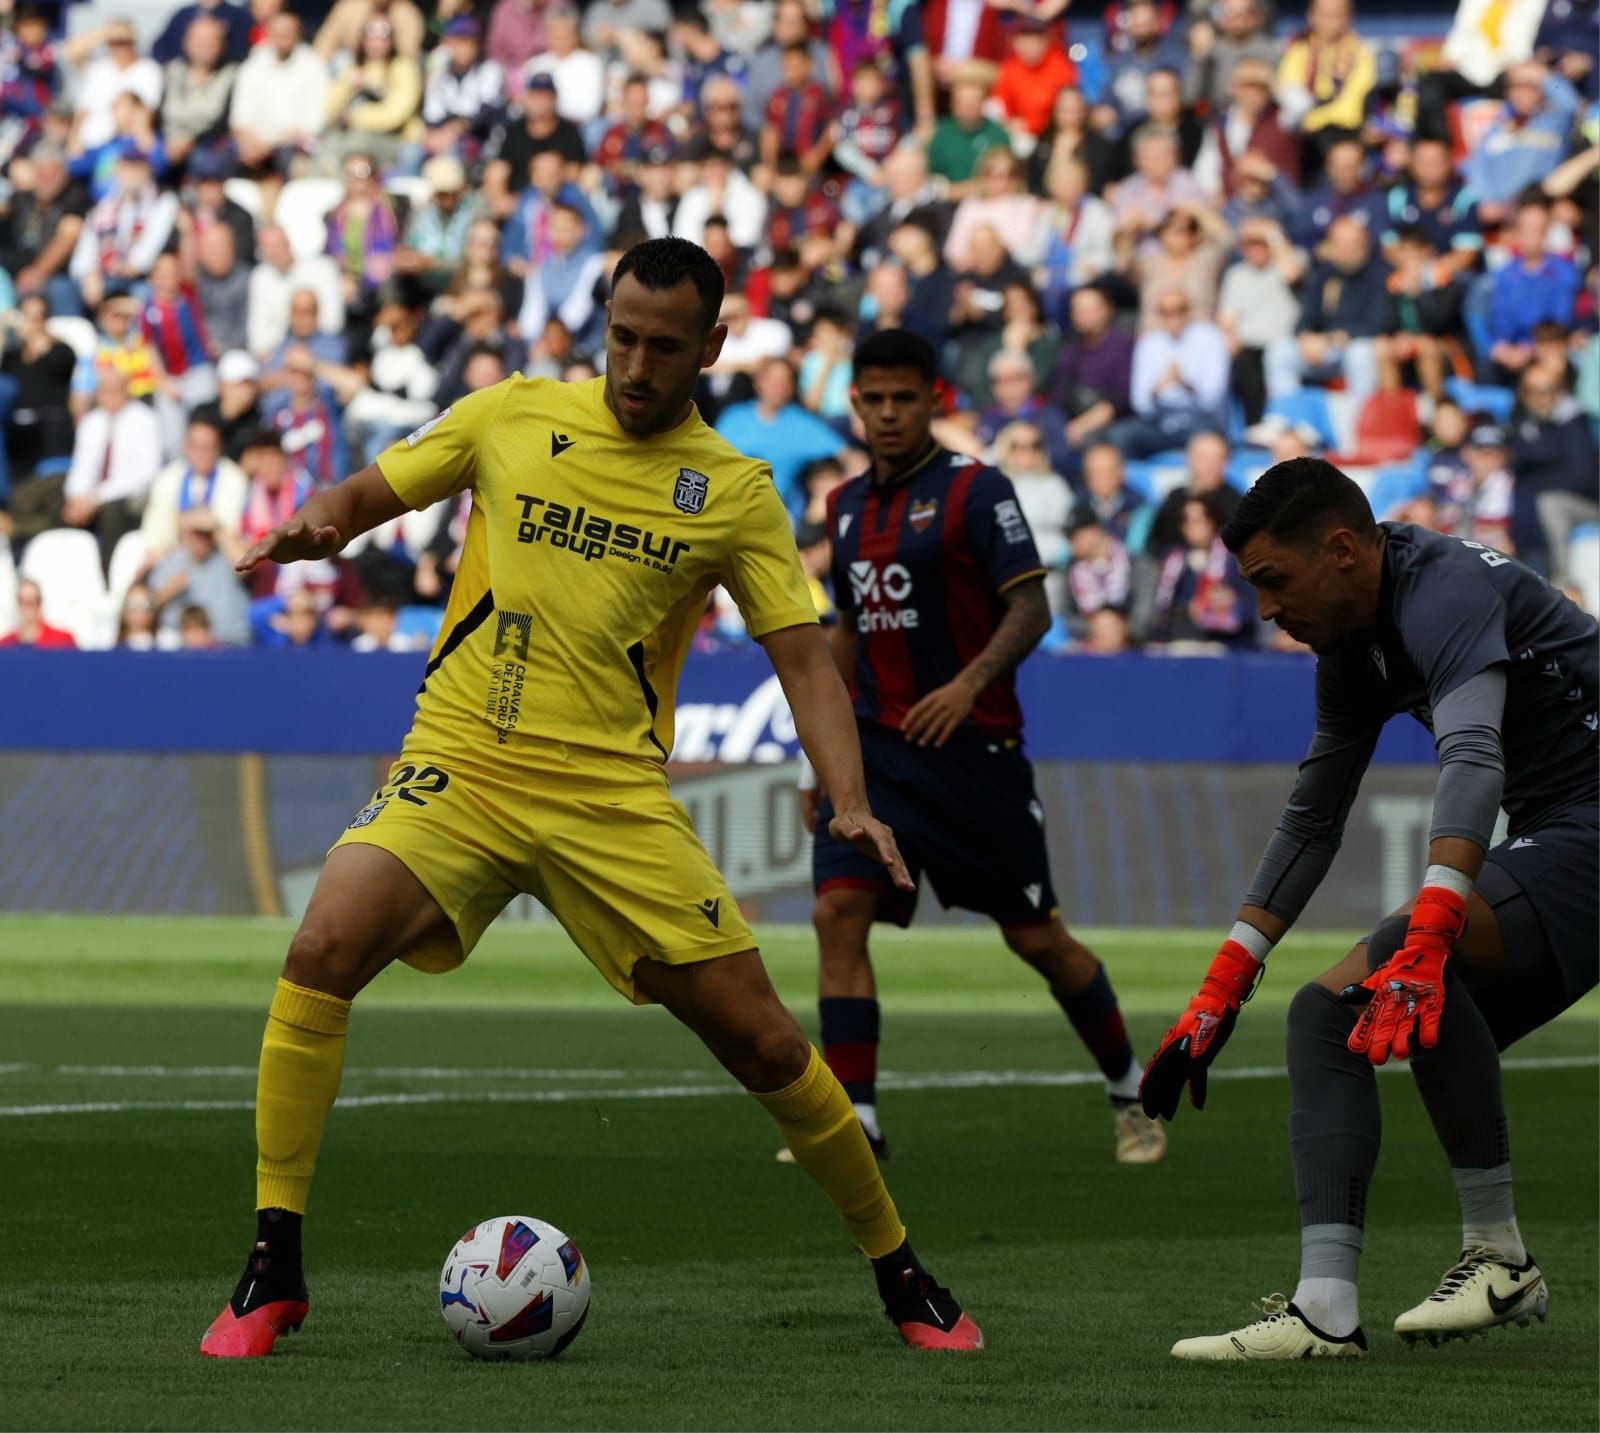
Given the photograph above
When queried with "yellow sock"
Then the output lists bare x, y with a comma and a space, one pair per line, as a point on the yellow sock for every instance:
302, 1058
822, 1130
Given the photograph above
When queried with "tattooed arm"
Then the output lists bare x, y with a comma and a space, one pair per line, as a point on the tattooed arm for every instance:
1027, 618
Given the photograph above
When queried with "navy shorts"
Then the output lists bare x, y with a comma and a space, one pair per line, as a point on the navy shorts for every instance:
965, 815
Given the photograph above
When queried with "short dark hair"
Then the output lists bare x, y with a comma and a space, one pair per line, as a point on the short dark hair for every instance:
1296, 501
659, 264
897, 348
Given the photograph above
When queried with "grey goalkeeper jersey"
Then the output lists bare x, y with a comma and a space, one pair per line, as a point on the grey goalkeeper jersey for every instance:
1483, 652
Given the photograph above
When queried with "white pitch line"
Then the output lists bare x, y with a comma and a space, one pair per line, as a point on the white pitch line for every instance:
405, 1072
939, 1080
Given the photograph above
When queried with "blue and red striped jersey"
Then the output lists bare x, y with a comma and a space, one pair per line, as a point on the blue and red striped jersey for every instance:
919, 567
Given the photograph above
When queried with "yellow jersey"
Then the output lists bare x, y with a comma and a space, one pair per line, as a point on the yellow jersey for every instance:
585, 569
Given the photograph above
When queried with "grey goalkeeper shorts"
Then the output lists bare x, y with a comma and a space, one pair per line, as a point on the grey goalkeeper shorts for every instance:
1544, 888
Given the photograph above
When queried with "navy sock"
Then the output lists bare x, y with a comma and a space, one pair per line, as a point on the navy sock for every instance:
1097, 1018
850, 1044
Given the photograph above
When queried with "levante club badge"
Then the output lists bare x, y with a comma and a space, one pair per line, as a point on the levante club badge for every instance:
689, 494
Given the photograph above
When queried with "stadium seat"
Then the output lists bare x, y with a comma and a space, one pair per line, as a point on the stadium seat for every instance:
1247, 464
8, 588
419, 622
1168, 471
76, 333
1396, 483
302, 212
410, 187
1387, 430
65, 562
246, 193
1309, 405
1140, 477
1583, 562
126, 559
1487, 398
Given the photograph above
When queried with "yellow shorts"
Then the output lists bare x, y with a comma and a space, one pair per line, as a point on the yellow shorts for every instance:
602, 846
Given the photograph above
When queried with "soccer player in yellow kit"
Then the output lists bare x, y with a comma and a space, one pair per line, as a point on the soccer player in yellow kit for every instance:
603, 513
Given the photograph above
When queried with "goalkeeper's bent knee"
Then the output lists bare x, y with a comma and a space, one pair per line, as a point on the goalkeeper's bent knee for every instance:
1387, 941
302, 1060
820, 1126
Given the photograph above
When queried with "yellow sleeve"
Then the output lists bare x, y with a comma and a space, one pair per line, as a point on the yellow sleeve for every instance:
402, 98
763, 570
440, 459
1292, 69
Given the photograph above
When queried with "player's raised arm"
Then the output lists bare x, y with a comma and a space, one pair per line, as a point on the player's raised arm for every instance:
328, 520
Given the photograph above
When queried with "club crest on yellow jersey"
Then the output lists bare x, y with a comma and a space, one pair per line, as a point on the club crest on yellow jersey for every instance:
689, 494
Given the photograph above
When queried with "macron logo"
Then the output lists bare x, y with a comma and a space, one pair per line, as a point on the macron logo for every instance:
844, 523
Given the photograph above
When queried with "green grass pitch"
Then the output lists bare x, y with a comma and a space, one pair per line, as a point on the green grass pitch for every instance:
725, 1295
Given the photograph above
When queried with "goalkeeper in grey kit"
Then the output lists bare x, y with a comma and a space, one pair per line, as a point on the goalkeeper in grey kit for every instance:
1500, 939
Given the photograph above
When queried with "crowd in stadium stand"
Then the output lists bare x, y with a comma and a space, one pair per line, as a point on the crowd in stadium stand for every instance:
1157, 247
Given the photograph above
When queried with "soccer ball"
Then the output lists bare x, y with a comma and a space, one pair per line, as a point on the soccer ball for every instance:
514, 1287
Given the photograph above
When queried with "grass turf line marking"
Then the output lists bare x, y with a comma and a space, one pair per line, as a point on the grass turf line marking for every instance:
948, 1080
393, 1072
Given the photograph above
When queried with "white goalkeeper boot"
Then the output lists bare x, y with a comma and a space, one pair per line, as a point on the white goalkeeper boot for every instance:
1283, 1333
1477, 1294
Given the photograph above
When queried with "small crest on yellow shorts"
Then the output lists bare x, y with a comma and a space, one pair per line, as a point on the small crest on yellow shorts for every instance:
367, 815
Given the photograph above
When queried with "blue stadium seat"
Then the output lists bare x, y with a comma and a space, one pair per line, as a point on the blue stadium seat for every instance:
1309, 405
1487, 398
415, 621
1397, 483
1246, 465
1141, 478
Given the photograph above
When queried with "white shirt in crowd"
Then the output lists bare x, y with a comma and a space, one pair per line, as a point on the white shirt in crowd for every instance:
580, 83
400, 389
1260, 303
276, 100
1046, 502
133, 438
103, 80
144, 224
1092, 241
742, 205
271, 289
1201, 354
177, 489
762, 338
452, 96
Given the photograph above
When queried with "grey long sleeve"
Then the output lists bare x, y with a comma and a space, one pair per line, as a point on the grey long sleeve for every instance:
1311, 828
1472, 770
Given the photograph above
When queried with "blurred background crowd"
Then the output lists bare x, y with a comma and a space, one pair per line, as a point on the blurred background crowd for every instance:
1158, 246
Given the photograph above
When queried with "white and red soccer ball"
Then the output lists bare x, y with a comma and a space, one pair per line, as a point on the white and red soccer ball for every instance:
514, 1288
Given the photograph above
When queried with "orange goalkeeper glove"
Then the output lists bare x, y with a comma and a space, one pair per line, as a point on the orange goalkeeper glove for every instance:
1406, 994
1188, 1048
